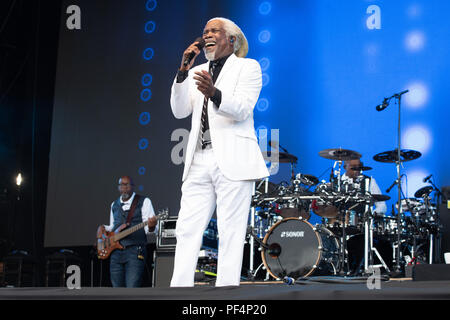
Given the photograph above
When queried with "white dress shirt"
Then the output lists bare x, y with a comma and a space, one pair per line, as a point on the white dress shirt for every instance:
380, 206
147, 212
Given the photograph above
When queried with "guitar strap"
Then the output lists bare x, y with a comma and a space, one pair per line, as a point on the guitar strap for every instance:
132, 208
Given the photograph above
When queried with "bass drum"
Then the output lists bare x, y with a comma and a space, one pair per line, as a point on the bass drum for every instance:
297, 249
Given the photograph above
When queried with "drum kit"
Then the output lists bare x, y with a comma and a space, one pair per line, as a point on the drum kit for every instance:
352, 238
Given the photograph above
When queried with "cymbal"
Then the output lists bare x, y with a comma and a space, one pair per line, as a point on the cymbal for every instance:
361, 168
307, 179
380, 197
392, 156
284, 157
423, 192
339, 154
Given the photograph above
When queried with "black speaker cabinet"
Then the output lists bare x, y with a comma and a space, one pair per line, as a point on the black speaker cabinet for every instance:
163, 268
444, 213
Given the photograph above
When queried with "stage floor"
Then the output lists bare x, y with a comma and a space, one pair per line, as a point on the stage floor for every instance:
255, 291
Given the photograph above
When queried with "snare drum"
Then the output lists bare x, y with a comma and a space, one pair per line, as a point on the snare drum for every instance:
298, 249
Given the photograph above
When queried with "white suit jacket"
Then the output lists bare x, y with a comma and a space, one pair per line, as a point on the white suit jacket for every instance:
231, 126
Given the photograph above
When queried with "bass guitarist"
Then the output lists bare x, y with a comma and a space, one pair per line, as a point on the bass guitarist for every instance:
127, 265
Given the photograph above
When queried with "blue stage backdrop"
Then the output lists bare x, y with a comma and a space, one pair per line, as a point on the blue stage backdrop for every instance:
326, 65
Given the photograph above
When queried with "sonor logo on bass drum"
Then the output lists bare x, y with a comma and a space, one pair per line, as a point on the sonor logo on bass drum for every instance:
292, 234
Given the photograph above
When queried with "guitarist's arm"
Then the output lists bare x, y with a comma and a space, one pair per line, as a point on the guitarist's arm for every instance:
148, 215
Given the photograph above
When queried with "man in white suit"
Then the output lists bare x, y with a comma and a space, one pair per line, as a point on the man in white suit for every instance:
222, 157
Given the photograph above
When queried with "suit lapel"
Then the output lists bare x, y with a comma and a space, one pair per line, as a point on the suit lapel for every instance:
226, 68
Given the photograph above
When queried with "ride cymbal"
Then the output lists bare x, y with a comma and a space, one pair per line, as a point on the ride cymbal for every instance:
392, 156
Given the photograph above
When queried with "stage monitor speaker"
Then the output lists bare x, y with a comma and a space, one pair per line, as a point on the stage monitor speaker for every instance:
163, 268
444, 214
431, 272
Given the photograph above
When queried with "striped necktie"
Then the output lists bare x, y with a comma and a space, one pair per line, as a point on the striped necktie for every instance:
205, 134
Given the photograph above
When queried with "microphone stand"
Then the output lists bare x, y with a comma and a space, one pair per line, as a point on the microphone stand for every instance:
397, 268
398, 96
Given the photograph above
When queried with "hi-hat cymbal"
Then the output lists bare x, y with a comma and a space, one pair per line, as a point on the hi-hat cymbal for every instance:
361, 168
339, 154
423, 192
392, 156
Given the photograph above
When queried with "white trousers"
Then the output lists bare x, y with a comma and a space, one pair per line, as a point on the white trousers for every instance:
204, 187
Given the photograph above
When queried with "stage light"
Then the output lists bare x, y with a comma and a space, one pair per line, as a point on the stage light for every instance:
19, 179
148, 54
151, 5
265, 79
144, 118
417, 138
264, 63
150, 27
417, 96
372, 49
143, 144
415, 41
146, 80
264, 36
414, 11
261, 132
265, 8
146, 94
262, 104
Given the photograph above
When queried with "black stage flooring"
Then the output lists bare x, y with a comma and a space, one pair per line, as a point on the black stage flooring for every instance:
390, 290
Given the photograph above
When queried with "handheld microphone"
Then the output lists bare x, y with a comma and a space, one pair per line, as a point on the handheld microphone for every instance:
382, 106
427, 178
191, 55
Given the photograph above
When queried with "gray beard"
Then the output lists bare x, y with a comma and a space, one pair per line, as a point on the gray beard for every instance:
210, 55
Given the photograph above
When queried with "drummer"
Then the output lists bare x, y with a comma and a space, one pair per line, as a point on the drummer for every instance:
353, 170
353, 173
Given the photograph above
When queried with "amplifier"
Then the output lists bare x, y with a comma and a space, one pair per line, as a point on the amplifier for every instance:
167, 238
166, 234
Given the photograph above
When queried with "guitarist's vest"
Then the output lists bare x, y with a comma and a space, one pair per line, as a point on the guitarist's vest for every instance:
120, 217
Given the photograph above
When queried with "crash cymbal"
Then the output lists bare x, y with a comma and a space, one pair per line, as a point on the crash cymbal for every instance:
392, 156
380, 197
423, 192
361, 168
339, 154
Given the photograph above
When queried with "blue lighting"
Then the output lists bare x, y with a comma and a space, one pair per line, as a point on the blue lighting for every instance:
148, 54
146, 80
265, 8
150, 26
144, 118
141, 171
264, 63
151, 5
265, 79
146, 94
143, 144
264, 36
262, 104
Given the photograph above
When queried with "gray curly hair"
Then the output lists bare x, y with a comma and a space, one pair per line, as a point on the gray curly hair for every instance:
232, 30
